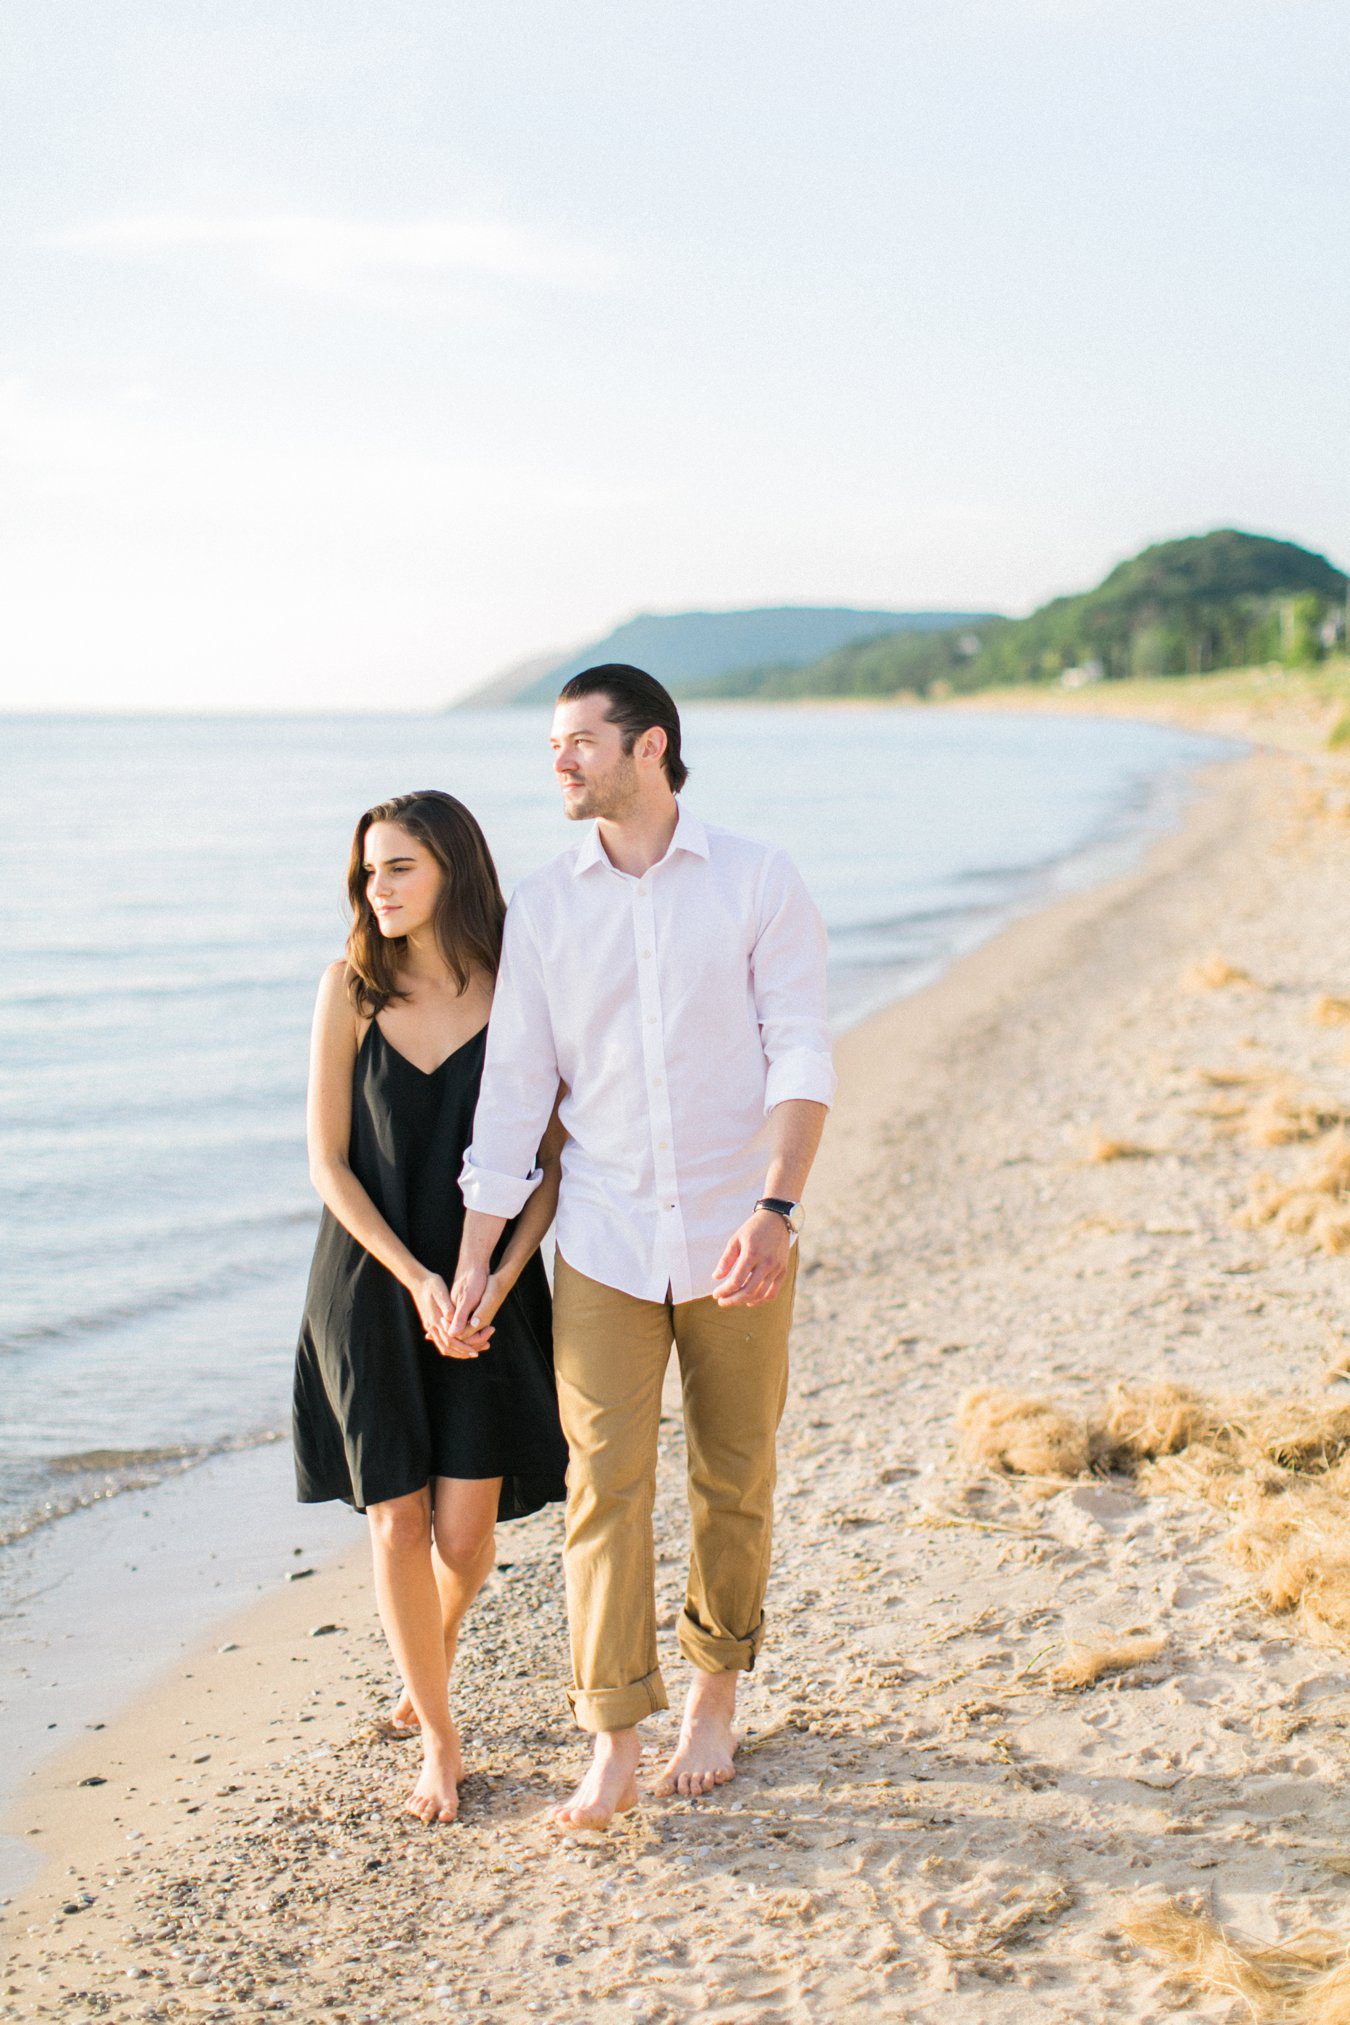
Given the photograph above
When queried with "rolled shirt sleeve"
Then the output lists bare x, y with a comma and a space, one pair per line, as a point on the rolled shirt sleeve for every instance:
520, 1080
789, 980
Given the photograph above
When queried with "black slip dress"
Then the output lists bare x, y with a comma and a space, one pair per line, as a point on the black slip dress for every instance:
378, 1412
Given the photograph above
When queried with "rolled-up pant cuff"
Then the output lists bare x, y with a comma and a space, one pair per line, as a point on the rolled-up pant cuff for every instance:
711, 1654
621, 1708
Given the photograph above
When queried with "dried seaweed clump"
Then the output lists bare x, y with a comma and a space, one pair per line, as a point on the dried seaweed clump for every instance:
1304, 1982
1302, 1439
1084, 1665
1017, 1436
1212, 973
1271, 1111
1282, 1117
1296, 1543
1314, 1205
1339, 1366
1102, 1147
1239, 1079
1309, 1580
1139, 1423
1279, 1469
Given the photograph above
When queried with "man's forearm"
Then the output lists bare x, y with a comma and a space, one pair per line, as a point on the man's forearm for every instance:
476, 1247
795, 1127
479, 1239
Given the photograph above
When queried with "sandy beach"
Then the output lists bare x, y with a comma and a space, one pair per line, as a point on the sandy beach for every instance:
1034, 1180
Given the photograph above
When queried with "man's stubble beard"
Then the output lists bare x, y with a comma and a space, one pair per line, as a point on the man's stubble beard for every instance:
609, 801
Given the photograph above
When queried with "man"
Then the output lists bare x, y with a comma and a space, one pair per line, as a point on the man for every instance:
671, 976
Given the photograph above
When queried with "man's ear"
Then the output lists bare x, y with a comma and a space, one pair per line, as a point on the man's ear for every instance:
652, 744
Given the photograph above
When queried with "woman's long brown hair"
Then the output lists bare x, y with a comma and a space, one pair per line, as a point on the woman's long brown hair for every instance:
469, 913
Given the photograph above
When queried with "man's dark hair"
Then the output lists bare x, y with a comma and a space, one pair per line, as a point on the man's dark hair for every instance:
636, 702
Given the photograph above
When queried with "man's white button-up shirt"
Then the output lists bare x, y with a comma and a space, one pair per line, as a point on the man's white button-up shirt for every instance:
677, 1009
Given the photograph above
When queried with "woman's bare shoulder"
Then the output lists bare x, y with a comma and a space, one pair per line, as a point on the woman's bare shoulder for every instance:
335, 1010
334, 981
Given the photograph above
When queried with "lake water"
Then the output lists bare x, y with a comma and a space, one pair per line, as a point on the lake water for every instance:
172, 888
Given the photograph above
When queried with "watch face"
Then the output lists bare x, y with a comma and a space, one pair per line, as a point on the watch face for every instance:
797, 1219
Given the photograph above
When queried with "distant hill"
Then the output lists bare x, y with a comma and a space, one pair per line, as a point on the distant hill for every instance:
1218, 600
688, 649
512, 682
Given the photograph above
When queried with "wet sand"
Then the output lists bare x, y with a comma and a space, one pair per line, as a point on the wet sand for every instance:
98, 1605
922, 1827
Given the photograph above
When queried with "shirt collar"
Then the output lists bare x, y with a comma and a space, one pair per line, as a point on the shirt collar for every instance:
690, 835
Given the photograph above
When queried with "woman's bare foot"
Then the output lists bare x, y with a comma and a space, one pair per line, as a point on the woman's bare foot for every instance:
705, 1754
610, 1786
435, 1797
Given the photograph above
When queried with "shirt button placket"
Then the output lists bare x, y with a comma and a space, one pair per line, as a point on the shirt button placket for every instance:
669, 1235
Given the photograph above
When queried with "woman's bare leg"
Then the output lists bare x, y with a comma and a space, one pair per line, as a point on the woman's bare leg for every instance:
410, 1611
465, 1513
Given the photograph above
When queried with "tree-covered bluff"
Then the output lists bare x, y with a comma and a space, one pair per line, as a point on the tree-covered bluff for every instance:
1221, 600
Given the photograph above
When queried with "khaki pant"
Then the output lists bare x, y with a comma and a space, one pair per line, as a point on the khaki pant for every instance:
610, 1352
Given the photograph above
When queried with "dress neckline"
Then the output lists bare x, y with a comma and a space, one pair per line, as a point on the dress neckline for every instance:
426, 1074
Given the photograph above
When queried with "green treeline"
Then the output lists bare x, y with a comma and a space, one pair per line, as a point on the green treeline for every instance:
1222, 600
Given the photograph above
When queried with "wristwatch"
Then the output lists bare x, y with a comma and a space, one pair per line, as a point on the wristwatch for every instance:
792, 1213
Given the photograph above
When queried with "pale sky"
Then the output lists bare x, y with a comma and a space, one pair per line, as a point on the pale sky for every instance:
351, 352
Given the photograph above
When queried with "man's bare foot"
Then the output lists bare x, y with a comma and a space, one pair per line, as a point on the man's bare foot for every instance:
435, 1797
705, 1755
610, 1786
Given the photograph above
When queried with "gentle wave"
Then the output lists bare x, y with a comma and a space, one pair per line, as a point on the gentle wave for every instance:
100, 1474
153, 1301
900, 924
109, 1459
115, 993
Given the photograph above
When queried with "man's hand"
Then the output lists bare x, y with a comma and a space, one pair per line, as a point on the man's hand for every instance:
751, 1269
459, 1333
478, 1331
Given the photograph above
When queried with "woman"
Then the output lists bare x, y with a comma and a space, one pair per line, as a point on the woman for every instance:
434, 1439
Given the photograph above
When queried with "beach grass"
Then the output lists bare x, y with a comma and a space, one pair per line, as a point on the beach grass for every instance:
1084, 1665
1278, 1468
1314, 1204
1303, 1981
